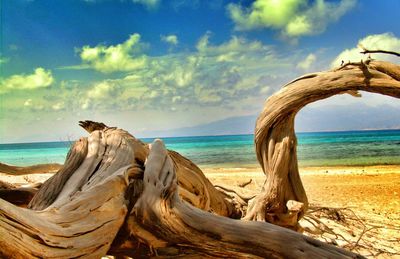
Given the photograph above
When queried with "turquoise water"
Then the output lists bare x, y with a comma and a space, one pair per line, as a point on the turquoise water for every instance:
314, 149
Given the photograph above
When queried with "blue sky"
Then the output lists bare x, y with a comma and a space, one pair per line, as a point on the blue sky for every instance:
157, 65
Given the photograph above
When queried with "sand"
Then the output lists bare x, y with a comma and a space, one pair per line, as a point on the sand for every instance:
368, 199
369, 224
374, 189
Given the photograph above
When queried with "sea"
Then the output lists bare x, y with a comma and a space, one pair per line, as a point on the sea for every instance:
345, 148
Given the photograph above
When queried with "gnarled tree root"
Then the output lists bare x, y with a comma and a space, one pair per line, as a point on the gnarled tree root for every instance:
110, 205
162, 220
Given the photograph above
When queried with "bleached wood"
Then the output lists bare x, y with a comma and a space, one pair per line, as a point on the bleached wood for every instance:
276, 142
162, 219
79, 219
80, 211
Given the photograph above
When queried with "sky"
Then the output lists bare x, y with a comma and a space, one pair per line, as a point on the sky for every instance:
165, 68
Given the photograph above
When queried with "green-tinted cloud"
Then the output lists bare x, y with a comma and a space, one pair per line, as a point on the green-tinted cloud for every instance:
114, 58
294, 18
307, 62
226, 75
150, 4
214, 75
170, 39
39, 79
109, 92
3, 60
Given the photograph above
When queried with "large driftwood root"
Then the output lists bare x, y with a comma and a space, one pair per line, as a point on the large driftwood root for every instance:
81, 210
113, 202
161, 219
283, 200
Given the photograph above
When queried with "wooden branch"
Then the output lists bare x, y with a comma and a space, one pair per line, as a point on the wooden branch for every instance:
91, 126
196, 189
163, 220
367, 51
242, 185
229, 190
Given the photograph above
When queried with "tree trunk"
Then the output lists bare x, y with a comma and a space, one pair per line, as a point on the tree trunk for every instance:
115, 195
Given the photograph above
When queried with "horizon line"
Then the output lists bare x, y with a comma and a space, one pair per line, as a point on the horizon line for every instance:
213, 135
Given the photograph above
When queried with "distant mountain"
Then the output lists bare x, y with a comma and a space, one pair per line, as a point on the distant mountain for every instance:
326, 118
348, 117
228, 126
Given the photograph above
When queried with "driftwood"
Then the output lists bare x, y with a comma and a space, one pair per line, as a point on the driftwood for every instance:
139, 203
283, 200
35, 169
118, 196
374, 51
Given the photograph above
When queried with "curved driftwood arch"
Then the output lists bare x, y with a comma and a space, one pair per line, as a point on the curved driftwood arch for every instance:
116, 195
283, 200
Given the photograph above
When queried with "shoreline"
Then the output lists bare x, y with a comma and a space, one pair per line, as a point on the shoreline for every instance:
312, 170
40, 173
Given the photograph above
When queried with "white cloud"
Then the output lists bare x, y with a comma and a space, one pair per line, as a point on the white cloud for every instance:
114, 58
232, 50
171, 39
104, 90
235, 44
58, 106
3, 60
39, 79
213, 75
180, 4
307, 62
209, 96
384, 41
234, 74
103, 94
149, 4
28, 102
264, 90
294, 18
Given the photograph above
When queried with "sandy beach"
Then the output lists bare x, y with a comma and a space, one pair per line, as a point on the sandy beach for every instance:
372, 189
371, 193
367, 199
